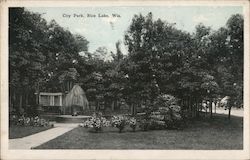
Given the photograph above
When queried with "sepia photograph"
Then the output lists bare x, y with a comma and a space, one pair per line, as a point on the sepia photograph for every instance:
126, 77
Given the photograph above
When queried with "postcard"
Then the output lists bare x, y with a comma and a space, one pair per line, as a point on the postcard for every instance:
125, 80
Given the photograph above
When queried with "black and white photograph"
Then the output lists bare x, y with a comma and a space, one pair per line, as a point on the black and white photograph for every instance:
126, 77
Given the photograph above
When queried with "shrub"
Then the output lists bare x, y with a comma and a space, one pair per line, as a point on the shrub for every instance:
29, 121
119, 122
132, 123
97, 122
173, 117
168, 111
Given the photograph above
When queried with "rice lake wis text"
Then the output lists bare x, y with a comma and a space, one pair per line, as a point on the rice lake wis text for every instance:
88, 15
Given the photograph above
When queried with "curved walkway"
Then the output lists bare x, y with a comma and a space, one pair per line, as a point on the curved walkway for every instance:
39, 138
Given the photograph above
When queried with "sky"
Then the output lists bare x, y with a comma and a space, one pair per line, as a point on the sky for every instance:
102, 31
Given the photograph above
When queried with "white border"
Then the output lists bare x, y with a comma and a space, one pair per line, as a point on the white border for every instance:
117, 154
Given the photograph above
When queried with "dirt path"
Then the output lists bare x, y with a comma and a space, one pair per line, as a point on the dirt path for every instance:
234, 112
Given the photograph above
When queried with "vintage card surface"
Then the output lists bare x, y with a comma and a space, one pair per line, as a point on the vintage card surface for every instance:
125, 79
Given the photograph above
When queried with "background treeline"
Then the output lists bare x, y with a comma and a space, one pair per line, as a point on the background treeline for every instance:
161, 59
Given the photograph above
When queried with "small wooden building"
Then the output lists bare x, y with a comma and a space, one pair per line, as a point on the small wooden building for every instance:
74, 101
50, 99
51, 103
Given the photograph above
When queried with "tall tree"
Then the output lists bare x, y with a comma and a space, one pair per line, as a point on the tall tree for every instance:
28, 33
40, 54
156, 49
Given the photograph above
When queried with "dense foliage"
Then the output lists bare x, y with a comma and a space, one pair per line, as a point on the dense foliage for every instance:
161, 60
192, 67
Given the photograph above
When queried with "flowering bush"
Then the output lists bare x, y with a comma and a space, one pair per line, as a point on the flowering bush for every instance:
29, 121
96, 122
119, 122
132, 123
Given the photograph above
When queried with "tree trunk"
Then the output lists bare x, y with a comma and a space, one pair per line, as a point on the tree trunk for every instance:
215, 104
26, 100
229, 112
211, 108
98, 105
20, 103
117, 105
219, 104
69, 85
133, 109
192, 107
14, 100
37, 98
37, 93
200, 107
197, 108
206, 110
189, 106
113, 105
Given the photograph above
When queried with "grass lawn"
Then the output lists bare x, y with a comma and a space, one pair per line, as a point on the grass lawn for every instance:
203, 134
22, 131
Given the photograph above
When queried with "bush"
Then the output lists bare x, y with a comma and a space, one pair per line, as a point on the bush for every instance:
29, 121
132, 123
97, 122
119, 122
168, 111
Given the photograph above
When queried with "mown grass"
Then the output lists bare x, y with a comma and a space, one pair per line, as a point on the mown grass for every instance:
203, 134
23, 131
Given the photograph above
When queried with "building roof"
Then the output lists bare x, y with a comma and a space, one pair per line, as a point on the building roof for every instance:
50, 94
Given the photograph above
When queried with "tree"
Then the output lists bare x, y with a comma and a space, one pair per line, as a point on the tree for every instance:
81, 42
161, 60
63, 50
226, 55
26, 56
198, 79
235, 26
101, 53
139, 41
40, 55
156, 49
118, 56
